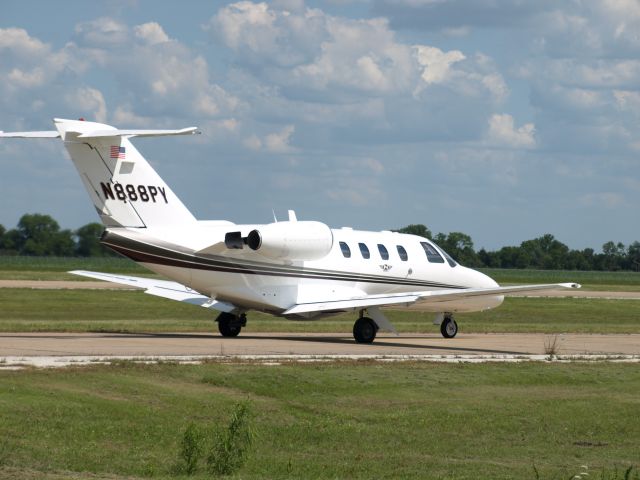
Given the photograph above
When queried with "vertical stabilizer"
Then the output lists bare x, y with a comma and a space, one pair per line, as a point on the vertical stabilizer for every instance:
125, 190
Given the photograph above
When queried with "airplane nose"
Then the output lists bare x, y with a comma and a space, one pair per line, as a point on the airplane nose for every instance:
480, 280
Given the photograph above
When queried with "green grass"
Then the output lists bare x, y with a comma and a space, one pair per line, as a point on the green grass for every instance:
56, 268
25, 310
619, 281
339, 420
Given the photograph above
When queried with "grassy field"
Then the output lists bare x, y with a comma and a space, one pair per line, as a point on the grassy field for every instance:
341, 420
613, 281
55, 268
25, 310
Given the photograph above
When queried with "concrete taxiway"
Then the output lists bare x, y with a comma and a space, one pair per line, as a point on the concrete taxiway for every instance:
167, 344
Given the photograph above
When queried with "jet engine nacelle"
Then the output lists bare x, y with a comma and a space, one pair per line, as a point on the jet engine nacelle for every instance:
291, 240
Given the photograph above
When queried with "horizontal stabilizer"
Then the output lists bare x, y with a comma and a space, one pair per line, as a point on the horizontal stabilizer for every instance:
138, 133
103, 133
42, 134
161, 288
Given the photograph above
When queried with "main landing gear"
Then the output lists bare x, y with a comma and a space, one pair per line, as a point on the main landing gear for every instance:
448, 327
230, 325
364, 330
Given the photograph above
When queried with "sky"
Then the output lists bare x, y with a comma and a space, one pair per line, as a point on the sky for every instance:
502, 119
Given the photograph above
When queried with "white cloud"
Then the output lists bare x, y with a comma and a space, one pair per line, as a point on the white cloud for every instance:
279, 142
253, 142
627, 100
19, 41
276, 142
151, 33
247, 23
437, 64
606, 199
88, 103
503, 133
102, 32
124, 115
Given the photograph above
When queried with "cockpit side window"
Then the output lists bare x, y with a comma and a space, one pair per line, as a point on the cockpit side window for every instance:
450, 260
384, 253
402, 252
432, 254
364, 250
346, 251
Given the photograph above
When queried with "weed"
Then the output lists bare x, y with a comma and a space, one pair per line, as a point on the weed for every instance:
191, 450
227, 448
4, 453
231, 446
551, 346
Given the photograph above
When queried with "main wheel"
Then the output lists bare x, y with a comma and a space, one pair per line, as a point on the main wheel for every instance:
229, 325
364, 330
449, 327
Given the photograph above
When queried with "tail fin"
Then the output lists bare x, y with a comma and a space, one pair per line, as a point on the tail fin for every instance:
125, 190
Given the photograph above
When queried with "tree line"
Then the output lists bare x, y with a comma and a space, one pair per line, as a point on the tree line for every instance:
40, 235
542, 253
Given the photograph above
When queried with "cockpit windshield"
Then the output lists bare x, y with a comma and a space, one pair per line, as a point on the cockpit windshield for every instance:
450, 260
433, 254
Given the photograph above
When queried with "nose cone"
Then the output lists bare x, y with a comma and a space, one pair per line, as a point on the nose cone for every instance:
475, 279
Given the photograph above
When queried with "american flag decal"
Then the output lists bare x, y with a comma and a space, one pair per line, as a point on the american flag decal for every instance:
117, 152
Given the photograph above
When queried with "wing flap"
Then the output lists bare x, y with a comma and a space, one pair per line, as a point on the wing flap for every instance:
161, 288
360, 302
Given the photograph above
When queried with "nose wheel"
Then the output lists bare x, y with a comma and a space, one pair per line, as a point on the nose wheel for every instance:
449, 327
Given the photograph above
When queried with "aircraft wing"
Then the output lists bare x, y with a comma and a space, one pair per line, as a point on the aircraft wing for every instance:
161, 288
422, 297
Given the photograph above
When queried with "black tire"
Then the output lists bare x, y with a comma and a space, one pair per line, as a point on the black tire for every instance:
449, 327
229, 325
364, 330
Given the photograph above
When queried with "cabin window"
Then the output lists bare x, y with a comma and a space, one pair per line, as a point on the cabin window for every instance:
346, 251
432, 254
384, 253
402, 252
364, 250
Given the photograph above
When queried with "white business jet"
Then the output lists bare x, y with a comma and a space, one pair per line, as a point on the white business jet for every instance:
299, 270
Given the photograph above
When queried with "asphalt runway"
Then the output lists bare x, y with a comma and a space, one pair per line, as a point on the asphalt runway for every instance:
309, 344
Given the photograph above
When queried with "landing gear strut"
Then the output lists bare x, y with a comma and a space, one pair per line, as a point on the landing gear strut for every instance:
230, 325
364, 330
449, 327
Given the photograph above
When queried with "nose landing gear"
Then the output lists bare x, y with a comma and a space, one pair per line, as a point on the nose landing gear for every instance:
449, 327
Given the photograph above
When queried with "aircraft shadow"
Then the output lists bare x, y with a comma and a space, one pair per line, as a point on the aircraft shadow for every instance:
384, 343
337, 340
